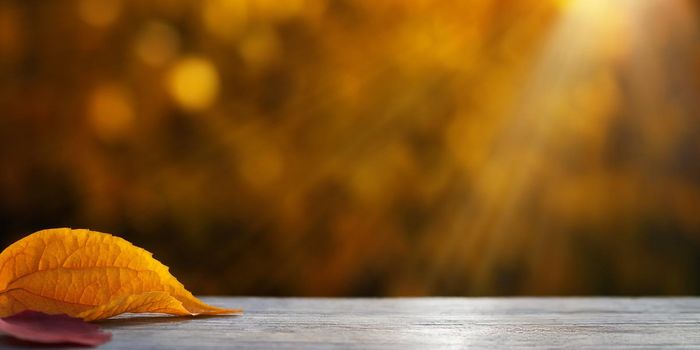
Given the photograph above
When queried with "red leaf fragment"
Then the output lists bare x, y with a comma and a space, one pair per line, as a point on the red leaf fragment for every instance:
39, 327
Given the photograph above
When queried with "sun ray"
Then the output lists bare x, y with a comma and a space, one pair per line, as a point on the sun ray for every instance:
590, 37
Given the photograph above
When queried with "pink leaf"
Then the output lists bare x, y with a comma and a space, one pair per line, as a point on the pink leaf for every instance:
43, 328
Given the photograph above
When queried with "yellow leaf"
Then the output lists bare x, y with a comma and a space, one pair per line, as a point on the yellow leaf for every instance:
91, 275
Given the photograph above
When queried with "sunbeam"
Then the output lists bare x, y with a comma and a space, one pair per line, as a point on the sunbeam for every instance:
504, 215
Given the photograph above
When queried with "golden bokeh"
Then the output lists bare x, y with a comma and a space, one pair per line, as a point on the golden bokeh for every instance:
100, 13
110, 111
333, 147
193, 82
224, 18
157, 44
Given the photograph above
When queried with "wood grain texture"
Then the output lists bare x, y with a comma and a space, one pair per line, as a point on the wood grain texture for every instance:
419, 323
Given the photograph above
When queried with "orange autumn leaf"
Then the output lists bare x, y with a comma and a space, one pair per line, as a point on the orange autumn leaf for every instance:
91, 275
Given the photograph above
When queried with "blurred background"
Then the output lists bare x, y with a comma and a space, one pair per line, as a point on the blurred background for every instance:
363, 148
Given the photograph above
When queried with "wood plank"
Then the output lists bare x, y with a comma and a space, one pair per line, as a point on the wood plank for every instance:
420, 323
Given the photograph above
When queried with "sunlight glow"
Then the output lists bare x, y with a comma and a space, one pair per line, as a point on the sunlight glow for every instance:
554, 111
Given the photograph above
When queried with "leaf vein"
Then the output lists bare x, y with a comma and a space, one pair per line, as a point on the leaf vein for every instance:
43, 296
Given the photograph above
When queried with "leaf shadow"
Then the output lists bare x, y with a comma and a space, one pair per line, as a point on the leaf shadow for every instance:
141, 320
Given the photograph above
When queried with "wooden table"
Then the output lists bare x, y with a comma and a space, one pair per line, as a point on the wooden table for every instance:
419, 323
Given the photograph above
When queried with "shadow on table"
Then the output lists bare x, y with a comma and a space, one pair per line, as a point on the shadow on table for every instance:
140, 320
123, 321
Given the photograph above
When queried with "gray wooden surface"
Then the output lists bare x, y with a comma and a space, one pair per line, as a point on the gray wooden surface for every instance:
419, 323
